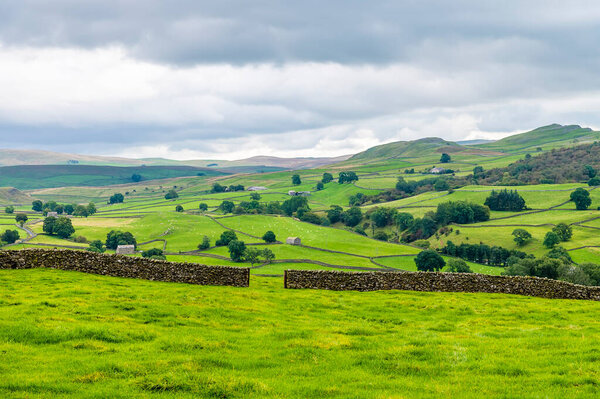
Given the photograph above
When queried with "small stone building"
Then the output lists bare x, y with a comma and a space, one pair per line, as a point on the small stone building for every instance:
293, 241
256, 188
291, 193
437, 171
125, 249
54, 214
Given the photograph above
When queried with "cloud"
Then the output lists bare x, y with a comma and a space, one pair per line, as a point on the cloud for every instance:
232, 79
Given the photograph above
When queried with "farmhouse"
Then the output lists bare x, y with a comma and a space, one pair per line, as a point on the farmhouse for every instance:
293, 241
437, 171
256, 188
125, 249
53, 214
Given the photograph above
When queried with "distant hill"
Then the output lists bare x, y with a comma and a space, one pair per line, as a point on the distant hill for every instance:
405, 149
11, 195
545, 137
47, 176
9, 157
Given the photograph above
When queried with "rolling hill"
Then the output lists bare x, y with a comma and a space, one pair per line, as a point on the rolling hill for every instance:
46, 176
545, 137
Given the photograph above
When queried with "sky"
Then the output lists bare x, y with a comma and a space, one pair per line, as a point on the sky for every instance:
194, 79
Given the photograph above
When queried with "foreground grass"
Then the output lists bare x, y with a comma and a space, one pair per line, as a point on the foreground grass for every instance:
67, 334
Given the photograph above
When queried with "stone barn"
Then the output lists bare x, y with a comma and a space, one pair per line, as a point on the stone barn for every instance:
293, 241
125, 249
54, 214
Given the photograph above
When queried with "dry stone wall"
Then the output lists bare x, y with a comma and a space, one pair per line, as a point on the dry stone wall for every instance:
125, 266
441, 282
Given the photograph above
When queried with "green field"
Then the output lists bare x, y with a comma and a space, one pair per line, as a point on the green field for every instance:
67, 334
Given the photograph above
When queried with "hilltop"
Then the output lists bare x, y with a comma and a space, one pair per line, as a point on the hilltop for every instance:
544, 138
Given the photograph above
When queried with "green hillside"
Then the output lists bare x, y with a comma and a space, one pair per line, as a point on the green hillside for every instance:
46, 176
545, 137
408, 149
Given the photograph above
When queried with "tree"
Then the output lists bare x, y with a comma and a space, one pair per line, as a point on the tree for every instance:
96, 246
296, 180
37, 205
91, 208
477, 170
255, 196
179, 208
334, 214
268, 255
563, 231
381, 236
227, 206
551, 239
154, 253
445, 158
136, 177
521, 236
217, 188
70, 208
62, 227
171, 194
327, 177
269, 237
203, 207
293, 204
80, 210
251, 255
594, 181
429, 260
505, 200
226, 237
590, 171
9, 236
48, 226
205, 244
404, 220
9, 209
352, 216
320, 186
458, 266
441, 185
116, 198
581, 198
347, 177
116, 237
21, 218
236, 250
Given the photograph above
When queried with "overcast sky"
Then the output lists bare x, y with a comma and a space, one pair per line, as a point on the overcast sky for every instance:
229, 79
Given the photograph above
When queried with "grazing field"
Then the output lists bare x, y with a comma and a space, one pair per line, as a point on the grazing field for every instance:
68, 334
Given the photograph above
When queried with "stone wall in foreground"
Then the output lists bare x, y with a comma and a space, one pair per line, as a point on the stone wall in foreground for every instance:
125, 266
442, 282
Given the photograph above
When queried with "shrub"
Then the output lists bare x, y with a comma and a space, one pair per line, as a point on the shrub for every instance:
269, 237
80, 239
458, 266
171, 194
203, 207
96, 246
179, 208
381, 236
205, 244
154, 253
9, 236
9, 209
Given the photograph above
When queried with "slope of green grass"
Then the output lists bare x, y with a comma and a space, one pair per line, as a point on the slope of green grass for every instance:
68, 334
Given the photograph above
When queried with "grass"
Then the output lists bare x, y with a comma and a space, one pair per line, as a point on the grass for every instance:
67, 334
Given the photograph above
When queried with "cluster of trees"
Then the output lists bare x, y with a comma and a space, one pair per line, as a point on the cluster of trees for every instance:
558, 268
116, 198
347, 177
217, 188
116, 237
239, 251
430, 261
351, 218
564, 165
446, 213
154, 253
68, 209
171, 194
96, 246
482, 253
21, 218
60, 226
9, 236
505, 200
560, 233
